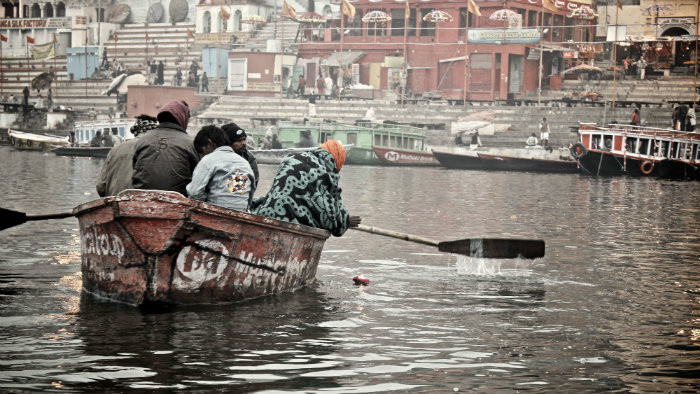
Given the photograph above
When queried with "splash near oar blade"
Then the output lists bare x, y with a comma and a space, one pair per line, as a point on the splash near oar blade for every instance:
495, 248
10, 218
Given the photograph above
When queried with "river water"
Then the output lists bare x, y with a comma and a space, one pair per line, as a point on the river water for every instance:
613, 306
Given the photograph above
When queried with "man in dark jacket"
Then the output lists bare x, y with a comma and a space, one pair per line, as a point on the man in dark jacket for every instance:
117, 170
165, 157
237, 137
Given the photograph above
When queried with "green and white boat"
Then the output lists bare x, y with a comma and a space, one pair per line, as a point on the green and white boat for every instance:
395, 144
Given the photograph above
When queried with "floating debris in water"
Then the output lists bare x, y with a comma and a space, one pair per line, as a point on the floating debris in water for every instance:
360, 280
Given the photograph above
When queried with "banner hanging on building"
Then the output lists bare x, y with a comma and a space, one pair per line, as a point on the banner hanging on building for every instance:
43, 51
502, 36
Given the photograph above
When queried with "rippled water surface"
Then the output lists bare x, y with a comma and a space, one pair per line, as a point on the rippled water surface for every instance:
614, 305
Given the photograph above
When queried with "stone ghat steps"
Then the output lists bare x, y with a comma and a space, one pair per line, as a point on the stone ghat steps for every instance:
289, 108
523, 120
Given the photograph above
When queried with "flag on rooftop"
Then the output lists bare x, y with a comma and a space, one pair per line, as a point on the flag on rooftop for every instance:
289, 10
347, 9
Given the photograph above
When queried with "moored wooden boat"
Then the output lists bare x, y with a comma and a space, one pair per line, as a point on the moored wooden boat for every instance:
458, 158
86, 130
82, 151
145, 246
364, 137
637, 151
506, 159
528, 159
30, 141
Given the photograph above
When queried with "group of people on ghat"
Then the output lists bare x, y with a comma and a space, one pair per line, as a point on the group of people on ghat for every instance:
216, 166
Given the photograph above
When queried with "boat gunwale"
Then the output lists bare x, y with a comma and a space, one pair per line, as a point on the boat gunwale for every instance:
198, 207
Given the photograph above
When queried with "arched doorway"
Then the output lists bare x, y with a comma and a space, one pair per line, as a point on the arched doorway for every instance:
36, 11
206, 22
327, 10
60, 9
48, 10
682, 50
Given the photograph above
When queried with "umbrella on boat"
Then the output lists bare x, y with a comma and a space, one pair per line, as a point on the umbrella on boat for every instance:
311, 17
42, 81
583, 68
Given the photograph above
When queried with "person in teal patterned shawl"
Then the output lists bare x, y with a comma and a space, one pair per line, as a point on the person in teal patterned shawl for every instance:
305, 191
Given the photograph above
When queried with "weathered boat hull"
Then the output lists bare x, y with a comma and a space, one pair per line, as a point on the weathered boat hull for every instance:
637, 151
82, 151
404, 157
149, 246
535, 161
609, 164
362, 156
507, 159
458, 158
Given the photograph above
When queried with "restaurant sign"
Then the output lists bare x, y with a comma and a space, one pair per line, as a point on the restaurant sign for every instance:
36, 23
504, 36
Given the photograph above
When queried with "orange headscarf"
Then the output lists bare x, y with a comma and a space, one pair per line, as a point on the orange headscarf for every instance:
335, 148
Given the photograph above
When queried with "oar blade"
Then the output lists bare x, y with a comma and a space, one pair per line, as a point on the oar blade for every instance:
495, 248
10, 218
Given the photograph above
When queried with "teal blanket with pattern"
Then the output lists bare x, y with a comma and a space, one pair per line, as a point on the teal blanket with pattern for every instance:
305, 191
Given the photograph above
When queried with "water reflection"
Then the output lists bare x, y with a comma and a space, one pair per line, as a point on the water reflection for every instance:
249, 346
611, 307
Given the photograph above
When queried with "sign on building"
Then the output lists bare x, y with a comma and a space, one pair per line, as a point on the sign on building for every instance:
504, 36
36, 23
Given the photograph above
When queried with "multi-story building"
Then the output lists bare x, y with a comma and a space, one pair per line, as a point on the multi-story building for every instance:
504, 52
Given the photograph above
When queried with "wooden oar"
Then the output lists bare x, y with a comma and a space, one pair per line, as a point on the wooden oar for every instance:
493, 248
10, 218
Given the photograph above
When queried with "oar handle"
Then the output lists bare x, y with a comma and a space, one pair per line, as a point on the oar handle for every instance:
50, 216
394, 234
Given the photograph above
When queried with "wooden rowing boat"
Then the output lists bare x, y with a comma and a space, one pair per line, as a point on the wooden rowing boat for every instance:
146, 246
